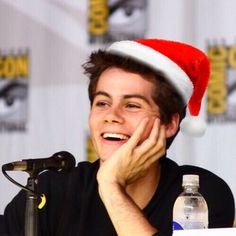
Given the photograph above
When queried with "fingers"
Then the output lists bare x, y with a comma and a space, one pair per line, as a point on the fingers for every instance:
154, 146
153, 137
159, 149
135, 138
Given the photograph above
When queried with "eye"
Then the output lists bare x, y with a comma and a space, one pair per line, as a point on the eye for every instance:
101, 104
133, 105
12, 98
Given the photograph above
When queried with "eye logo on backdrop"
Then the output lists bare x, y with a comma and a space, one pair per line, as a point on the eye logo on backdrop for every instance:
113, 20
221, 94
14, 77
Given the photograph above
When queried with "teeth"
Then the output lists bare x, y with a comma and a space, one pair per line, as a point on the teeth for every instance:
116, 136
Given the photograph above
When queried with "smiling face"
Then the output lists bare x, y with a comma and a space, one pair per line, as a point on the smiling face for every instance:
122, 99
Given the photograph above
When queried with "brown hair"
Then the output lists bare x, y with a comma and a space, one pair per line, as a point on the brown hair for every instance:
165, 95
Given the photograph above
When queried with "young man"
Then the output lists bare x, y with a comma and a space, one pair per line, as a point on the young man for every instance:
139, 91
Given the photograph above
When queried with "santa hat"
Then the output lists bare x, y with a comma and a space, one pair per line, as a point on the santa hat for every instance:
185, 67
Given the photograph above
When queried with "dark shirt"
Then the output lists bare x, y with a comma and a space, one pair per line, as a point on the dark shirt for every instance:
74, 207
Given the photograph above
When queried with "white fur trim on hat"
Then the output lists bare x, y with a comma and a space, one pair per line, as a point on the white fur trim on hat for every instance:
156, 60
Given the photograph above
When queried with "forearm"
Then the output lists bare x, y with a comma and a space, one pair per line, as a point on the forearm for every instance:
125, 215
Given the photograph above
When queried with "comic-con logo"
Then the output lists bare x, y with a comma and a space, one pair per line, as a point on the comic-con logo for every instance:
113, 20
221, 94
14, 74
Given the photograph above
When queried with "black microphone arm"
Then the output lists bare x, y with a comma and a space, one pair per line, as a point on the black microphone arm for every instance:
60, 162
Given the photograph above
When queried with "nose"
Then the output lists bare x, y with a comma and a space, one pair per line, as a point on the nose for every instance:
114, 115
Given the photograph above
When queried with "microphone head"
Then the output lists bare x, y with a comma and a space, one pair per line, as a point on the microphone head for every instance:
59, 162
65, 161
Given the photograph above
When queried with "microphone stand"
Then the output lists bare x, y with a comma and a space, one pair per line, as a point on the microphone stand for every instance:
60, 162
31, 210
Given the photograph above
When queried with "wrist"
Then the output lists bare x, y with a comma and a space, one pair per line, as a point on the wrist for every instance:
110, 190
109, 180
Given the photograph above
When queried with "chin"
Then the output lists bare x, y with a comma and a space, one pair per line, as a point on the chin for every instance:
107, 155
104, 158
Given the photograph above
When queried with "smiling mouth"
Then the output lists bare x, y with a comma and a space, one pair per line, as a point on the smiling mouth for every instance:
115, 137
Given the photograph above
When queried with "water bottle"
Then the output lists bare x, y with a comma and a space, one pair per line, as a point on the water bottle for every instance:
190, 209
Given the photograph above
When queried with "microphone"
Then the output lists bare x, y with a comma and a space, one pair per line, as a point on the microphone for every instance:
60, 162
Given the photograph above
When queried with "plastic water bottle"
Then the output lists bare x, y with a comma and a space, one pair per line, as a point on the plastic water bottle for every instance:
190, 208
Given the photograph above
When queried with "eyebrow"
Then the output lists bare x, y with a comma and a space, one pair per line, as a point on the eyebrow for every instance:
102, 94
127, 96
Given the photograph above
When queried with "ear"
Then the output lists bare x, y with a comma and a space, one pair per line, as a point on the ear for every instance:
173, 126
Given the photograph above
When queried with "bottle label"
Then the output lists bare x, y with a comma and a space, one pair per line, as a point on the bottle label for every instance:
176, 226
188, 225
190, 212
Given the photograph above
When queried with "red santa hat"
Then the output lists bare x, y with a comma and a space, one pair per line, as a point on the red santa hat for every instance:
184, 66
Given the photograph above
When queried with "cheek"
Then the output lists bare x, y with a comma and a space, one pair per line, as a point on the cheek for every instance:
92, 123
148, 129
95, 121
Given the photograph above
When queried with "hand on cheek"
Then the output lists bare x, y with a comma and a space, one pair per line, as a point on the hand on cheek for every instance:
133, 159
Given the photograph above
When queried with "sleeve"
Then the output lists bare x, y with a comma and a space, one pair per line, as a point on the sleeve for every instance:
13, 218
1, 225
221, 204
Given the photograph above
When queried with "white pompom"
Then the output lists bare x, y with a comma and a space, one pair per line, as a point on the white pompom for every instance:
193, 126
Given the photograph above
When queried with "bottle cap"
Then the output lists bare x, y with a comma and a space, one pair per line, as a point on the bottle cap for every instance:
190, 180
